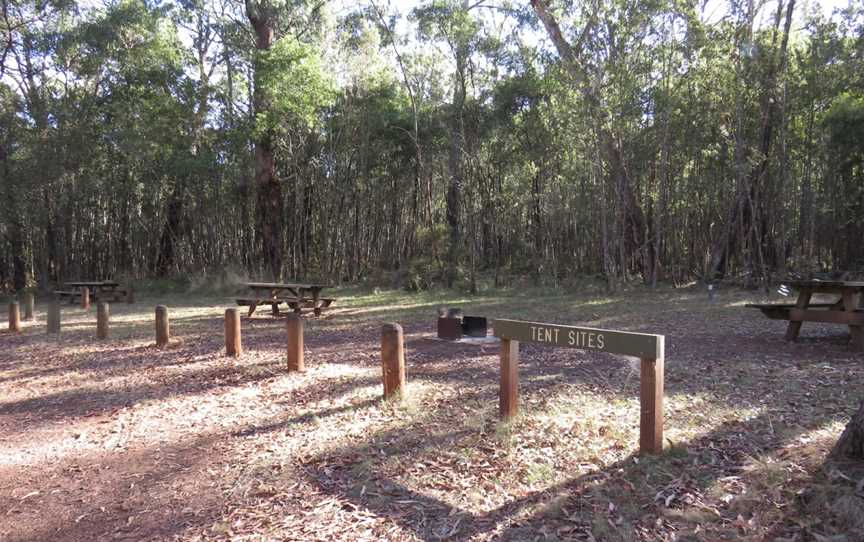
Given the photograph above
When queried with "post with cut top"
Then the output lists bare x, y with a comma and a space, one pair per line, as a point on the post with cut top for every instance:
14, 317
393, 360
28, 307
130, 295
53, 320
508, 392
85, 298
651, 402
102, 315
233, 344
162, 333
294, 327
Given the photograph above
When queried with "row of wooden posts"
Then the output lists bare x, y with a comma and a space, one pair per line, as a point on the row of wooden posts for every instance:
649, 348
53, 316
392, 349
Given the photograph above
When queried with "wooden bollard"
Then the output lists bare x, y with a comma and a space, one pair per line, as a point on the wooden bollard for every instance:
651, 403
130, 295
14, 317
294, 326
508, 392
85, 298
28, 306
102, 315
392, 360
54, 318
233, 344
161, 326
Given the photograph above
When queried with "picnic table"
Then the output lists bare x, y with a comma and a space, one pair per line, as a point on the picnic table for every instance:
97, 289
843, 310
298, 296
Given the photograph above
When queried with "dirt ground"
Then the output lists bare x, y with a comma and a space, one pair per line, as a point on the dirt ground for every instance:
119, 440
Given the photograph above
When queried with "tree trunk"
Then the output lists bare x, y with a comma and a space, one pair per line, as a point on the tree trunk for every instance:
537, 241
454, 164
742, 221
631, 220
170, 232
269, 187
850, 445
15, 226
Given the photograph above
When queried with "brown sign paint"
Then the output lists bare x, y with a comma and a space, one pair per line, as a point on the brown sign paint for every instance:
641, 345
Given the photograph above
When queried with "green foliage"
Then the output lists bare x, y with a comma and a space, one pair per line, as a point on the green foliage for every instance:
137, 110
447, 19
292, 74
845, 123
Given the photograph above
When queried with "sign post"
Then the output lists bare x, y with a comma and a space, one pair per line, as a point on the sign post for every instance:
508, 397
648, 348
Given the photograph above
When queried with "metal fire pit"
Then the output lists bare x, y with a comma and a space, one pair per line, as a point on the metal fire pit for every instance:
474, 326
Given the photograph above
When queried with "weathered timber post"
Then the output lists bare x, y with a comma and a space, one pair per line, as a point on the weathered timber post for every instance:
161, 326
85, 298
233, 344
651, 402
102, 315
294, 327
392, 360
508, 392
14, 317
53, 319
28, 306
130, 295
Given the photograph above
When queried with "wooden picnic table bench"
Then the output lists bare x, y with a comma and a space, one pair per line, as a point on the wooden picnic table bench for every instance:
845, 310
71, 294
254, 302
99, 290
298, 296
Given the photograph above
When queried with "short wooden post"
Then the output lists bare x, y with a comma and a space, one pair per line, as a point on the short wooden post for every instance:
130, 295
393, 360
54, 318
102, 315
85, 298
28, 307
508, 393
294, 327
233, 344
14, 317
651, 403
161, 326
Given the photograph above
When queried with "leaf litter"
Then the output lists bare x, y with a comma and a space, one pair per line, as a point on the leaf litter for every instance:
120, 440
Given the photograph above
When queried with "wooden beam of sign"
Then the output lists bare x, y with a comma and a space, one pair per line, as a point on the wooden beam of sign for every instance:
640, 345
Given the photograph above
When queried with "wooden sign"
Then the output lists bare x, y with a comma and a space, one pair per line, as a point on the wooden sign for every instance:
640, 345
649, 348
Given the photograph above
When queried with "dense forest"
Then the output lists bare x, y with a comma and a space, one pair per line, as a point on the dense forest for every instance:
430, 142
